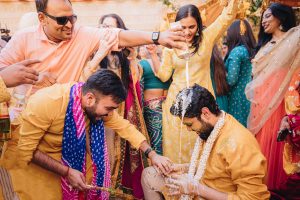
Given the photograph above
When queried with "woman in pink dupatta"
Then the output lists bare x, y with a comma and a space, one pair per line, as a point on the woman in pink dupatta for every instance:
273, 67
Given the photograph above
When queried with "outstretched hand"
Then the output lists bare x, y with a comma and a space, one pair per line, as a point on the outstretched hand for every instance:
106, 43
20, 73
171, 37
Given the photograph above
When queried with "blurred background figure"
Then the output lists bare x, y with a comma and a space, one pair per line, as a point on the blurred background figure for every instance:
218, 79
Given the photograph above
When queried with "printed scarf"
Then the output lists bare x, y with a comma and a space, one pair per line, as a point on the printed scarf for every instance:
74, 150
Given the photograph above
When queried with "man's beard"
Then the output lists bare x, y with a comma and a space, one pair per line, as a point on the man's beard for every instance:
90, 113
205, 130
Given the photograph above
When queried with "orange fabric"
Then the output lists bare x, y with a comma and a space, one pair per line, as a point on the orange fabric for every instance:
65, 59
273, 150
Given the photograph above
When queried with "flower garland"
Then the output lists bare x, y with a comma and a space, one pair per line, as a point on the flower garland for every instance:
205, 154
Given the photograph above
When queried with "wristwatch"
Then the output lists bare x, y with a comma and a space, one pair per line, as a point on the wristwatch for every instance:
148, 151
155, 37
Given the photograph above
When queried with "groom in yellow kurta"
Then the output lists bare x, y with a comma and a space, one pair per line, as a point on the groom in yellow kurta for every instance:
235, 167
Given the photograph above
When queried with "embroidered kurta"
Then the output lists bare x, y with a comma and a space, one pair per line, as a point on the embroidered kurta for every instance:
42, 129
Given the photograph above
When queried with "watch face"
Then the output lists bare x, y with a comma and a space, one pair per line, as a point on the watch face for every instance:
155, 36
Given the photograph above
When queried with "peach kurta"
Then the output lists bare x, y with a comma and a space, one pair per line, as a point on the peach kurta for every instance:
65, 59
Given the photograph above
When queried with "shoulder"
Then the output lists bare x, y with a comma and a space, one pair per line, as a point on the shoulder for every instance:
239, 51
235, 138
26, 33
53, 96
28, 30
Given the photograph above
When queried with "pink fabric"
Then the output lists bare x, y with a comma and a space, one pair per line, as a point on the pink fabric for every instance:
66, 59
132, 180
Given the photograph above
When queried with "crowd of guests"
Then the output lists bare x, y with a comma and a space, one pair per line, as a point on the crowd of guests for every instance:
106, 102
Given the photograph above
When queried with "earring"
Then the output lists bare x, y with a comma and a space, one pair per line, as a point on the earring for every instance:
197, 33
281, 27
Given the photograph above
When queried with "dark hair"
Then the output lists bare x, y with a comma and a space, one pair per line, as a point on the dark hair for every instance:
107, 83
219, 71
234, 38
120, 22
192, 11
199, 97
120, 54
284, 14
41, 5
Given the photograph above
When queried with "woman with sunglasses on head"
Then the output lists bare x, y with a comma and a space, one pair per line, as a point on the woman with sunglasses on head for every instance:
127, 163
200, 44
274, 64
241, 49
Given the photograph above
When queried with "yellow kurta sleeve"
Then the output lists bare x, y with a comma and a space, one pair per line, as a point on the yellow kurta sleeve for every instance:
124, 129
36, 119
247, 168
4, 94
166, 68
220, 25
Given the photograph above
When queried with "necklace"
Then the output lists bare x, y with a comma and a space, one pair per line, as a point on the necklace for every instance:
205, 153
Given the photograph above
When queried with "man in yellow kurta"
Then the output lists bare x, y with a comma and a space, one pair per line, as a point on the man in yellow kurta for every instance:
228, 165
44, 127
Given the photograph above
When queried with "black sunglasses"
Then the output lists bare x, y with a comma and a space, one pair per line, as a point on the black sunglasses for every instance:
63, 20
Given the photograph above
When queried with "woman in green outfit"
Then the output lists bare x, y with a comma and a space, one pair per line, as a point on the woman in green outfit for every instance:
241, 49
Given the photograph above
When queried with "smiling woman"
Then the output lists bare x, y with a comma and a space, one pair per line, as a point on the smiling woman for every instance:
273, 68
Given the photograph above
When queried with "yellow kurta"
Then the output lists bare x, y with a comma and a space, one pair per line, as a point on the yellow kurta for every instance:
4, 94
236, 165
199, 72
42, 128
291, 157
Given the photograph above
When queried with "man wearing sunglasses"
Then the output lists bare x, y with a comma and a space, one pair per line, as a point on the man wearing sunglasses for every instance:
63, 47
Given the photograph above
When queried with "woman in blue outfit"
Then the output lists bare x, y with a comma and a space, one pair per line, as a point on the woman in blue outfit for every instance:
241, 49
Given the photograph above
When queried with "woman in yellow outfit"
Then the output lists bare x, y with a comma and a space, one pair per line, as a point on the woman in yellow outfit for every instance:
201, 43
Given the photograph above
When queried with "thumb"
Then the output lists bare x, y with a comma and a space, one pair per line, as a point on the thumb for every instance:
29, 62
